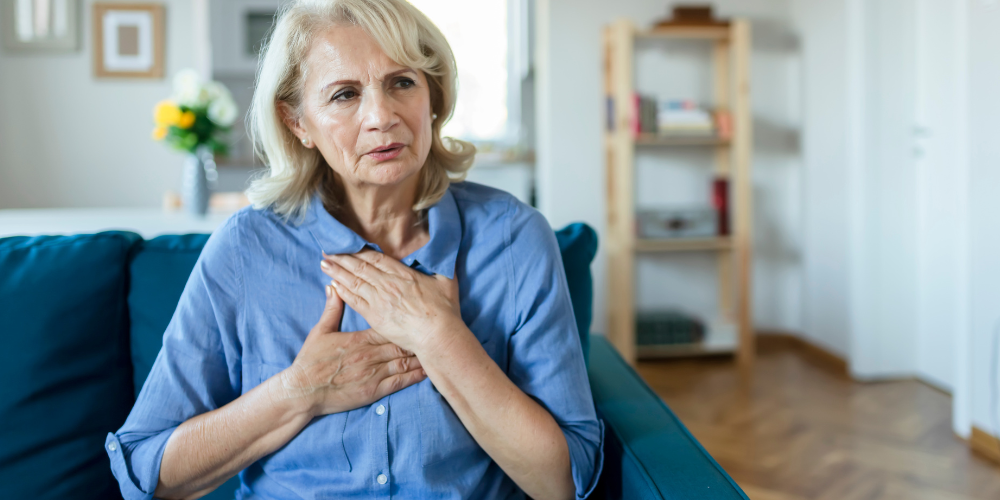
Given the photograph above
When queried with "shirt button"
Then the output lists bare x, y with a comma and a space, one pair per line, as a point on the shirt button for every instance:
382, 479
113, 446
380, 409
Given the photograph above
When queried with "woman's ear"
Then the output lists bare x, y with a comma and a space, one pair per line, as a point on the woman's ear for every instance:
291, 120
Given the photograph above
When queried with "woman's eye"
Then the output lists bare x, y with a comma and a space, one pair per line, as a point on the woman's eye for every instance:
405, 83
345, 95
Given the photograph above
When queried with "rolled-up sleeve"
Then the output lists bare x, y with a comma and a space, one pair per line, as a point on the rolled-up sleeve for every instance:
197, 370
546, 360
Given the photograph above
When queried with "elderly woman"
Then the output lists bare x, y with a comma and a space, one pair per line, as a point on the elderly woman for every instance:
445, 362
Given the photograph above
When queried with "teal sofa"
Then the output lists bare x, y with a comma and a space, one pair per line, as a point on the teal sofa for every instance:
81, 320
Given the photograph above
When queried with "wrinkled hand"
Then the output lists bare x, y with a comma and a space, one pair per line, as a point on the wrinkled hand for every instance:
337, 371
404, 305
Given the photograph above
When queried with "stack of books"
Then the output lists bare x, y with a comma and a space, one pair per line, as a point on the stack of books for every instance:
683, 117
673, 117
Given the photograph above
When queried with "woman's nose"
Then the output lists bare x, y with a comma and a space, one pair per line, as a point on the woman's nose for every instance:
379, 114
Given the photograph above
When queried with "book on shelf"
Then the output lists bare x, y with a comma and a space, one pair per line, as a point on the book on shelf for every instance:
667, 327
720, 201
653, 117
683, 117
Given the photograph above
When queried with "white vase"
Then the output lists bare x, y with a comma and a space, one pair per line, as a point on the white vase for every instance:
199, 174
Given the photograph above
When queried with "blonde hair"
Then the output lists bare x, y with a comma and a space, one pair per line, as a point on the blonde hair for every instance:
408, 37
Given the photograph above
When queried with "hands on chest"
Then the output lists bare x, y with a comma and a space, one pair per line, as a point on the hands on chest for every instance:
407, 311
406, 306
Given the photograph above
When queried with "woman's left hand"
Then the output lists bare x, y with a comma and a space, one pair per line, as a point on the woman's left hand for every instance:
404, 305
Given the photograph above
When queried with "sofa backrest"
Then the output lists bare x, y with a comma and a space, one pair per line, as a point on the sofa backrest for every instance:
158, 270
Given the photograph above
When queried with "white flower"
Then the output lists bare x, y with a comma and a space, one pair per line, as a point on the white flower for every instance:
222, 111
188, 89
215, 90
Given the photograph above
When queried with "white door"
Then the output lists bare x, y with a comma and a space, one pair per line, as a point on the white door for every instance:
912, 193
942, 174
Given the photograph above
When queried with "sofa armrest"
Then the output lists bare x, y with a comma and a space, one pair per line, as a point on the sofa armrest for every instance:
649, 454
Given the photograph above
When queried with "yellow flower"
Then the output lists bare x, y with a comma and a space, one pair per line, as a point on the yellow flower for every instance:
159, 133
166, 114
186, 120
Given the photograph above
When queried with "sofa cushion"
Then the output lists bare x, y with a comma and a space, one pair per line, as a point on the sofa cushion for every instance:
65, 365
578, 245
158, 270
648, 453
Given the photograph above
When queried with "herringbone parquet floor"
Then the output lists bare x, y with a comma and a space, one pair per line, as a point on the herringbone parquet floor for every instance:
803, 430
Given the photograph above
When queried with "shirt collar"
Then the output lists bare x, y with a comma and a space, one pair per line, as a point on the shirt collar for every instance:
438, 255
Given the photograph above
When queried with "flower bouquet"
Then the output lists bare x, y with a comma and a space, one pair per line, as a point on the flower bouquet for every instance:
199, 113
195, 120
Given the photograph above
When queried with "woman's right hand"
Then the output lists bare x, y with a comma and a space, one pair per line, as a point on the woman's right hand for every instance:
340, 371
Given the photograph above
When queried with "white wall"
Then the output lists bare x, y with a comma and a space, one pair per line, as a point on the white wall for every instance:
822, 29
70, 140
983, 25
571, 179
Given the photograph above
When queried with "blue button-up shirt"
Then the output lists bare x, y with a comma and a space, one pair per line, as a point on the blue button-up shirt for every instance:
256, 292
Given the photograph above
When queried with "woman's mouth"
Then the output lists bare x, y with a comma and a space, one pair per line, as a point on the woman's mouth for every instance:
386, 152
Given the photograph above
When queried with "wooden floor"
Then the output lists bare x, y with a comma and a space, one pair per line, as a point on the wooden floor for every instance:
803, 430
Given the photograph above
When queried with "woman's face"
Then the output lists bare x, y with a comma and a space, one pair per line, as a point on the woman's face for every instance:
369, 116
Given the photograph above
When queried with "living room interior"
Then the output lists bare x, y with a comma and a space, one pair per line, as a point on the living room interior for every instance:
786, 259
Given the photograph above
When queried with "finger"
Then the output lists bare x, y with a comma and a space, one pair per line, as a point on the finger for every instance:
389, 352
345, 278
360, 267
329, 321
403, 365
357, 302
396, 383
383, 262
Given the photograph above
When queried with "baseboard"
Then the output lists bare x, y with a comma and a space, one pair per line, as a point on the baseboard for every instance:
985, 444
815, 353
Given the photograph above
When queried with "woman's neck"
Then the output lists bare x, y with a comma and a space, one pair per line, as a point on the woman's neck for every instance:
384, 215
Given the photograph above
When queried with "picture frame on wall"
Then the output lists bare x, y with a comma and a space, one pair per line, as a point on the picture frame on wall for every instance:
40, 26
128, 40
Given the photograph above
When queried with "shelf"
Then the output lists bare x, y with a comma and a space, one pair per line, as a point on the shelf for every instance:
686, 32
728, 89
680, 140
683, 244
720, 338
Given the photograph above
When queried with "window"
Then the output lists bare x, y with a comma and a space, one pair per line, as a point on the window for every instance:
482, 37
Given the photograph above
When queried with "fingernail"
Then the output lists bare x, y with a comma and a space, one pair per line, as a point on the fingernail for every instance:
334, 283
324, 264
329, 291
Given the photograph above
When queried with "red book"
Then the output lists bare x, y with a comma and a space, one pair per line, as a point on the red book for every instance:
636, 114
720, 200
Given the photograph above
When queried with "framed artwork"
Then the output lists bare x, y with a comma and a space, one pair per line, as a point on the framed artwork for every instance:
36, 26
128, 40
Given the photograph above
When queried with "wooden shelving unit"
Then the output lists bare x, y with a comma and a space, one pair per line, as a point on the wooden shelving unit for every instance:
684, 245
730, 332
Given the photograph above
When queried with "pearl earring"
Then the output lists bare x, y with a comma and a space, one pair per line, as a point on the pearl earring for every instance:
305, 142
434, 116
